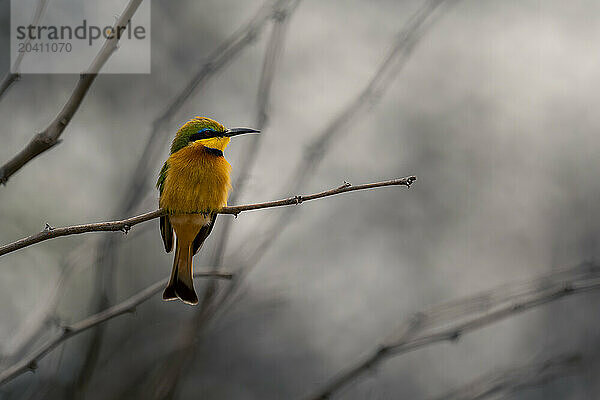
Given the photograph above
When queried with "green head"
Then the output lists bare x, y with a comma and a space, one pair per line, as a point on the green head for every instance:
207, 132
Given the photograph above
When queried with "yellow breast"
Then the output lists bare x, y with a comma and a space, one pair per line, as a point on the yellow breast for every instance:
196, 181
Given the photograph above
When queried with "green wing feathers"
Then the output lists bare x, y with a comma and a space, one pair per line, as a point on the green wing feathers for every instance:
166, 230
160, 183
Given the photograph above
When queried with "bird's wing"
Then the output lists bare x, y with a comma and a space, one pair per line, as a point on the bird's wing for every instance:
203, 234
166, 231
162, 176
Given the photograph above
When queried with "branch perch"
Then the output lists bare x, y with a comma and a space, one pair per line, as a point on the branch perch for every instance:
30, 362
126, 224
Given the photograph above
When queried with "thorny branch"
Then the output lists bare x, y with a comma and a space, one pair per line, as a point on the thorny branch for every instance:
68, 331
450, 321
49, 137
512, 380
126, 224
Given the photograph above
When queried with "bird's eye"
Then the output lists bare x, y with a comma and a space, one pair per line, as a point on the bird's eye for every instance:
203, 133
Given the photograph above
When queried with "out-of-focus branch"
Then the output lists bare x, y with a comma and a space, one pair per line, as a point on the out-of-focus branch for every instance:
512, 380
449, 322
129, 305
49, 137
271, 59
39, 319
126, 224
7, 81
13, 75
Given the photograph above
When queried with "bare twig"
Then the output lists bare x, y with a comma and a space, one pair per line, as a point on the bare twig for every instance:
126, 224
13, 75
512, 380
49, 137
465, 317
127, 306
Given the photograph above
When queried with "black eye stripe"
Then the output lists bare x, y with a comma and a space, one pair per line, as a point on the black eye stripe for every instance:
201, 134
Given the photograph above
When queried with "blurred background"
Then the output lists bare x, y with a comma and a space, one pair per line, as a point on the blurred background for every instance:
493, 108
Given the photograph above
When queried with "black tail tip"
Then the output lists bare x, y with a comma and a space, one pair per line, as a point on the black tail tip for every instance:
169, 293
179, 290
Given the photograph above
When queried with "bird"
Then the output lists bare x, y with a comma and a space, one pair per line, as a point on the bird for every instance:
193, 186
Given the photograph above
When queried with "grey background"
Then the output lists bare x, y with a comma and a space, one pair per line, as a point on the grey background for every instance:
496, 114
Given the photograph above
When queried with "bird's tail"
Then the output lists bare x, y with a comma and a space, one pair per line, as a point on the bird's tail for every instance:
181, 284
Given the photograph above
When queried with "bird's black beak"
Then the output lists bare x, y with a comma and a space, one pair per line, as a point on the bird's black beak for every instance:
238, 131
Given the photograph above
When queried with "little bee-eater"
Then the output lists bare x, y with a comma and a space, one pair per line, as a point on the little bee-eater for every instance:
193, 184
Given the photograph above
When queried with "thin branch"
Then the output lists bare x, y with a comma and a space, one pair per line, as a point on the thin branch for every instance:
48, 138
7, 81
129, 305
13, 75
125, 225
544, 290
512, 380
